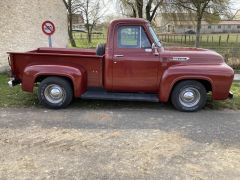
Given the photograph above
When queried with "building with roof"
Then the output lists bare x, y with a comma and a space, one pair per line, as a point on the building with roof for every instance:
20, 26
225, 26
183, 22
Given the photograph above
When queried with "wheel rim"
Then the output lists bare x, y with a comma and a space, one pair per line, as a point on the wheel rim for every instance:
189, 97
54, 94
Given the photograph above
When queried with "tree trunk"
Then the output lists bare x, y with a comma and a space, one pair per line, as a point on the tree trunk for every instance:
70, 31
89, 38
139, 5
151, 13
89, 34
148, 10
198, 31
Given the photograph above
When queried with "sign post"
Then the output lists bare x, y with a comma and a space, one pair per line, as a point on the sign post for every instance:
48, 28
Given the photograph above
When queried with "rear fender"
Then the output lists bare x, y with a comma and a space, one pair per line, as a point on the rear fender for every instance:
78, 76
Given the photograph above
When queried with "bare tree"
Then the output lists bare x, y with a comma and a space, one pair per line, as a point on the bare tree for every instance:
93, 11
128, 8
135, 8
152, 8
235, 14
69, 4
207, 9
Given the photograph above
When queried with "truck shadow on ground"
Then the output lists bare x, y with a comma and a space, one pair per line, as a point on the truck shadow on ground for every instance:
205, 126
108, 104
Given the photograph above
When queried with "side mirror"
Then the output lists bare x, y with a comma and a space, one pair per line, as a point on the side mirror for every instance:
155, 49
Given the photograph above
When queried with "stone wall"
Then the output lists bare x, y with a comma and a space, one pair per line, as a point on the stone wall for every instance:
20, 25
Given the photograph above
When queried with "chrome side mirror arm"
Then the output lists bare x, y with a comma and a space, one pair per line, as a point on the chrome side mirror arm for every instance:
155, 49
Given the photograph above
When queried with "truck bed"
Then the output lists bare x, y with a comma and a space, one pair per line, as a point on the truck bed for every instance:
78, 58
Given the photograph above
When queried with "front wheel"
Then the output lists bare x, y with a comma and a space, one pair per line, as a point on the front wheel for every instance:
189, 96
55, 92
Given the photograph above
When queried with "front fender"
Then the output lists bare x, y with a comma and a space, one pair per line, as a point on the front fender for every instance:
175, 74
77, 76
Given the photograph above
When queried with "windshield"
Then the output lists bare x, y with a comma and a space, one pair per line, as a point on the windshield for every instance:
155, 37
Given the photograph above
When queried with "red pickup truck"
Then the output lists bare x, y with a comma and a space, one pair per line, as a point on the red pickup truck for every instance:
132, 65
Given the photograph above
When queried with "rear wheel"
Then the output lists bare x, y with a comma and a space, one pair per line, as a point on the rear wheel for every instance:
55, 92
189, 96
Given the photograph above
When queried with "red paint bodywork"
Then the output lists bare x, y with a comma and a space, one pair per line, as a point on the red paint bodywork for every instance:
137, 71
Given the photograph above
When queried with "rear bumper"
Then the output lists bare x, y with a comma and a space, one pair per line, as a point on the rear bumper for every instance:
230, 95
13, 82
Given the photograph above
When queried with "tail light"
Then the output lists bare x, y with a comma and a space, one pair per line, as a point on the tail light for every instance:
9, 61
10, 64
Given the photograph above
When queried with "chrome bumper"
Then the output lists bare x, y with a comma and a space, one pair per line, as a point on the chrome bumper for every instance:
13, 82
230, 95
10, 84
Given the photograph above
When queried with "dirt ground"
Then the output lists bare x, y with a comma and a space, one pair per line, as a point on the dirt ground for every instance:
119, 144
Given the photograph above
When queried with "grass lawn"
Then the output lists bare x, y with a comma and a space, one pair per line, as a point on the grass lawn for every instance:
15, 97
83, 43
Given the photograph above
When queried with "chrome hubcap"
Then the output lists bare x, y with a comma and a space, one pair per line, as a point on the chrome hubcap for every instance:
189, 97
54, 93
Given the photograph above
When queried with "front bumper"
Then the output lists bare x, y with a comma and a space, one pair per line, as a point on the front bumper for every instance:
230, 95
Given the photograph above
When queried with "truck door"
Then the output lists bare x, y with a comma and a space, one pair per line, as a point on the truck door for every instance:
135, 67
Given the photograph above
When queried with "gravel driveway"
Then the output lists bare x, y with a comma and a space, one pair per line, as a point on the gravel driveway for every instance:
119, 143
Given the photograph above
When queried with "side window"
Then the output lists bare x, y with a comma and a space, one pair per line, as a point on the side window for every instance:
132, 37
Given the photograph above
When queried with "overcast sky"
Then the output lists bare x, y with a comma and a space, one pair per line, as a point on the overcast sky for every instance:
235, 4
112, 10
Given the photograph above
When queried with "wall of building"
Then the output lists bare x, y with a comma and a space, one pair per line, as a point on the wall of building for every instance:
221, 28
20, 25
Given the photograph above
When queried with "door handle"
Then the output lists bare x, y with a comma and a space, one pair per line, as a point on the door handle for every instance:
118, 55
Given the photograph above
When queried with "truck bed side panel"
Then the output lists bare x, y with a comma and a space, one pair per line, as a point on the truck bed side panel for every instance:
91, 64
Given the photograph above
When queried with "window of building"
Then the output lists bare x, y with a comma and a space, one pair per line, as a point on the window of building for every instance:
132, 37
209, 27
238, 26
229, 26
219, 26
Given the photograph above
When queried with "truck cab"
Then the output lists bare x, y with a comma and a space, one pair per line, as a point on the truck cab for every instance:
129, 54
132, 65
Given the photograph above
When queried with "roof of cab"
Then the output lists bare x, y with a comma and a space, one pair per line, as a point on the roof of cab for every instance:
129, 20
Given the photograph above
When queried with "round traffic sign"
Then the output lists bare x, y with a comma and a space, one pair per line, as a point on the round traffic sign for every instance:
48, 28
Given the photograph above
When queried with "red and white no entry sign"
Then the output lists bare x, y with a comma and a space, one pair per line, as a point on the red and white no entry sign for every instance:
48, 28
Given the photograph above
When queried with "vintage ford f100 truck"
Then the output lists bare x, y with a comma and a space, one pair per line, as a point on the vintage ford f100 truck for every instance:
132, 65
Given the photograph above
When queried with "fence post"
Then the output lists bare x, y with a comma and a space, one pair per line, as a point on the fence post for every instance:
220, 37
207, 39
227, 38
185, 39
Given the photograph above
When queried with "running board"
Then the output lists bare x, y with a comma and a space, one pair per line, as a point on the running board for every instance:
104, 95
